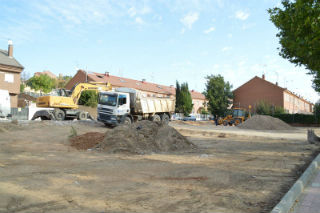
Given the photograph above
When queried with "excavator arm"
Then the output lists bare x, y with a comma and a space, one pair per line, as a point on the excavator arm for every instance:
76, 93
72, 101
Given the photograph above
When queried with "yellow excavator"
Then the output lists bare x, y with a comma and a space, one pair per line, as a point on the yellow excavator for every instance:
64, 106
237, 117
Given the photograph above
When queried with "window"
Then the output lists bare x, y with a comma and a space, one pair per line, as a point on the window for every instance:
122, 100
9, 78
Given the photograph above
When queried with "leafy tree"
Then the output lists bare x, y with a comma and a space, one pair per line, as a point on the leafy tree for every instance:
22, 86
178, 98
265, 108
62, 81
299, 33
183, 99
219, 94
204, 111
89, 98
42, 82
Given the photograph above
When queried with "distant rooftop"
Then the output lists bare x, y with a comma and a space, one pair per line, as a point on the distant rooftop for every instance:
139, 84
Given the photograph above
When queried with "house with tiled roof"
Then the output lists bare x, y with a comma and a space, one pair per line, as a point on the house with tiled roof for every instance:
259, 89
10, 70
150, 89
46, 72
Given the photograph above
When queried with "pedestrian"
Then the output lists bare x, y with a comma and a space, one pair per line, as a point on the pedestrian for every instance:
216, 120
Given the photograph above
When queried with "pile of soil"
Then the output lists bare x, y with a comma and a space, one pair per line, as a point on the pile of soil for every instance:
139, 138
10, 126
87, 140
265, 122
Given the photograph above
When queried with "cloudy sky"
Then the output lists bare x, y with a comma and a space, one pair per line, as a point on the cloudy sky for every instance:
159, 40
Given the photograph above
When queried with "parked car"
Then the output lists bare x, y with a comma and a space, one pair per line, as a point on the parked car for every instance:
190, 118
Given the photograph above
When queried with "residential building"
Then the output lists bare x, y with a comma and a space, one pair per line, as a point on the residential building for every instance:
46, 72
259, 89
10, 70
150, 89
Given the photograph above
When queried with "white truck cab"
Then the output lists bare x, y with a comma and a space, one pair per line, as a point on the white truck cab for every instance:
126, 105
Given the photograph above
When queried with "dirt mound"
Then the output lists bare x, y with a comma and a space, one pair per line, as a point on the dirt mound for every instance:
265, 122
10, 126
87, 140
144, 137
140, 138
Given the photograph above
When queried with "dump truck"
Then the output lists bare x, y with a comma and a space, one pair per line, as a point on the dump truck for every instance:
64, 106
126, 105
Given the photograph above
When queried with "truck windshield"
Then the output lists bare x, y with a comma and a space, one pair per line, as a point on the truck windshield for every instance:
108, 99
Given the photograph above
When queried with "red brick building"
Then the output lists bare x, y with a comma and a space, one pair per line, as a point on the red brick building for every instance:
258, 89
10, 70
150, 89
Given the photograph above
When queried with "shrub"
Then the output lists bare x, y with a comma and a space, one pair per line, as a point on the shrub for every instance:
265, 108
298, 118
89, 98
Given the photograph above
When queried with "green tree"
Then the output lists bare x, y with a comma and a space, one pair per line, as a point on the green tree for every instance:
42, 82
265, 108
178, 98
89, 98
183, 99
22, 86
219, 94
62, 81
299, 33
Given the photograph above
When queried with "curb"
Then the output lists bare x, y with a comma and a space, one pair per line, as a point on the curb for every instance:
289, 199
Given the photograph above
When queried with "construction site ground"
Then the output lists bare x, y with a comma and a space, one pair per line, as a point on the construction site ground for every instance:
232, 170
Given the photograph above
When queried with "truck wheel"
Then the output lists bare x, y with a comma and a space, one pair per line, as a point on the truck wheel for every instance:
237, 121
165, 118
127, 121
59, 115
156, 118
82, 116
225, 123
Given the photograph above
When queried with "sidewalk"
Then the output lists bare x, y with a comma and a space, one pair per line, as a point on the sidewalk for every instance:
310, 198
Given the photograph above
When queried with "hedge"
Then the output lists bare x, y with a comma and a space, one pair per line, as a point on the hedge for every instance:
298, 118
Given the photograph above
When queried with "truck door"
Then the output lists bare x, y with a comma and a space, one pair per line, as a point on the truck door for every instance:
123, 104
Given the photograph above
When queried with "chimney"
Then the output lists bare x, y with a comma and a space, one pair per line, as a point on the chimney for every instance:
277, 83
106, 74
10, 49
143, 80
263, 77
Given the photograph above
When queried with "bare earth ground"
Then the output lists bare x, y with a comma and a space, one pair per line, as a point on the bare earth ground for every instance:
230, 172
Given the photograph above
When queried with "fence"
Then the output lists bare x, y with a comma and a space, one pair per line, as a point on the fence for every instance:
199, 117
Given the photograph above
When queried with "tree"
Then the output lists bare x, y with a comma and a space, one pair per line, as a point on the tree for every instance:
178, 98
62, 81
265, 108
299, 33
42, 82
89, 98
219, 94
183, 99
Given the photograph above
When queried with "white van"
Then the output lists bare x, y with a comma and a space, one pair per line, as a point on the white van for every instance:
5, 108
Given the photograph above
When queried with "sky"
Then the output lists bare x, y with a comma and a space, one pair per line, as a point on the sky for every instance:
158, 40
